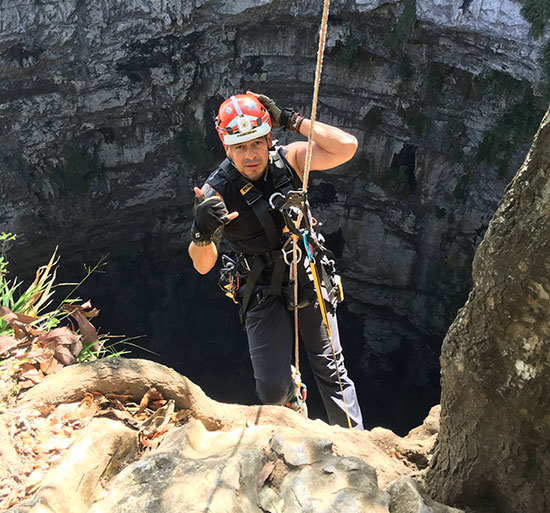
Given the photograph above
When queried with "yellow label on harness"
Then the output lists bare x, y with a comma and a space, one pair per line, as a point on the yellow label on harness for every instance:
246, 188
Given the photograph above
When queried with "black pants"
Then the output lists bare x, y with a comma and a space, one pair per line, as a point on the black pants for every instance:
270, 330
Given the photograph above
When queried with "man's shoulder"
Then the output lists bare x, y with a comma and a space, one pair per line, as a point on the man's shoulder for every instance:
219, 175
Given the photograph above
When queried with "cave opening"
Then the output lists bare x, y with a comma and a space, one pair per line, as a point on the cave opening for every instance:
404, 163
150, 293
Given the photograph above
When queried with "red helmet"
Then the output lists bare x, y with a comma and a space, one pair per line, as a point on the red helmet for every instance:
242, 118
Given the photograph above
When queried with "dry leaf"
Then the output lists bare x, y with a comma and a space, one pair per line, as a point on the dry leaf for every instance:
265, 473
13, 497
394, 454
149, 396
26, 366
160, 418
18, 332
87, 330
150, 444
117, 404
49, 366
181, 416
31, 374
7, 342
34, 480
26, 384
118, 414
15, 319
65, 343
81, 314
123, 398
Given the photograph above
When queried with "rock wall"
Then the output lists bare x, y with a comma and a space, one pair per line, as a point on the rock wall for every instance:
106, 125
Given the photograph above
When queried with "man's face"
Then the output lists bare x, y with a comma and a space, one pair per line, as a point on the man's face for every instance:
250, 157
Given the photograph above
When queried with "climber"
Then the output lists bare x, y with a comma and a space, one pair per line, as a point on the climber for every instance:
235, 202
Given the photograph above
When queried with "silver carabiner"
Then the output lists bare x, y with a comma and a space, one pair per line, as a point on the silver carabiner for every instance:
228, 263
272, 198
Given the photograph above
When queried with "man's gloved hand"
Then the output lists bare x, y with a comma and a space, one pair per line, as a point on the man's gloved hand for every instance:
210, 214
279, 117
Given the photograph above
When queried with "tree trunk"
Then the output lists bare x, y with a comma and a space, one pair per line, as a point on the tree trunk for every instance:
493, 452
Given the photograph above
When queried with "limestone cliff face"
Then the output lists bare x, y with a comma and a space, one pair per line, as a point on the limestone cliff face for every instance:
106, 124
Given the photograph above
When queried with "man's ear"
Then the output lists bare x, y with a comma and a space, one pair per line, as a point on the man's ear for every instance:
269, 139
226, 148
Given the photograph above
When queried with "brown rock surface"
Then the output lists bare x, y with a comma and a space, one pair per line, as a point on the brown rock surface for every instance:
196, 453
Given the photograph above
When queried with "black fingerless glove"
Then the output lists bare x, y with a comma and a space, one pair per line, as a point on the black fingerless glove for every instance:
210, 214
280, 118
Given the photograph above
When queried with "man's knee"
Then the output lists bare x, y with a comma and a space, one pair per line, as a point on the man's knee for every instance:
273, 393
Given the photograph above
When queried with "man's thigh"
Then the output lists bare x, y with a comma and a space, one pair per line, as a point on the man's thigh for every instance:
270, 341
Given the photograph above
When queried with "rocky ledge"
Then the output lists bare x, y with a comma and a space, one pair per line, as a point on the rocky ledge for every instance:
193, 454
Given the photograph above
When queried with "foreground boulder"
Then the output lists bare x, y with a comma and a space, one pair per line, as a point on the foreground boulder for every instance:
209, 456
244, 470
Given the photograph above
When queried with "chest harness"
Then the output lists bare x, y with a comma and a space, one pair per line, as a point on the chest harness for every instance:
240, 273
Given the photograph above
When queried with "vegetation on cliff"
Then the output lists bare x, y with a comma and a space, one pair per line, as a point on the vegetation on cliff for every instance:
537, 12
37, 339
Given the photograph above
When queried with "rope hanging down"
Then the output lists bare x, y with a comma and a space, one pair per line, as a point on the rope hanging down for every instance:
307, 167
320, 54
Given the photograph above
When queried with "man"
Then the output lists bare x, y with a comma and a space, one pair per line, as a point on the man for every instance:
238, 201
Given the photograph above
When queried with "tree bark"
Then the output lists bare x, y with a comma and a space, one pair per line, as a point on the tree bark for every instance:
493, 452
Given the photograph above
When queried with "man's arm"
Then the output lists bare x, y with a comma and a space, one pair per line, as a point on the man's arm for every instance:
209, 216
204, 257
331, 147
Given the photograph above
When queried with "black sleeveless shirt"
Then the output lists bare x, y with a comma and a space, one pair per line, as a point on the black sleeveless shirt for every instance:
245, 233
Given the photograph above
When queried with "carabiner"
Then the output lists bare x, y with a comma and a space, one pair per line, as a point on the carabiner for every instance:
307, 246
290, 251
228, 263
280, 203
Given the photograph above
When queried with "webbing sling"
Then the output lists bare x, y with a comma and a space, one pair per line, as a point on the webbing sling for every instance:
251, 279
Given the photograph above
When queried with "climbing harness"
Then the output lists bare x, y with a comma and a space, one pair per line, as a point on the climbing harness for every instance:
317, 255
239, 281
289, 255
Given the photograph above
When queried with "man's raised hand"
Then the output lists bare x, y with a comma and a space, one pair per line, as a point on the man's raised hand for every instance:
210, 214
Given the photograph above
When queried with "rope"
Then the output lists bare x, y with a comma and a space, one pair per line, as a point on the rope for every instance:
320, 54
307, 168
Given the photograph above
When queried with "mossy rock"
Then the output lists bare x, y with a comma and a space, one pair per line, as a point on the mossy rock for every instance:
191, 146
399, 32
516, 127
